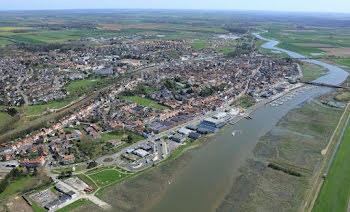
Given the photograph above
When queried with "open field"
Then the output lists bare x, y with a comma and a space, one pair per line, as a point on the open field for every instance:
79, 87
343, 61
334, 194
308, 42
75, 205
128, 26
18, 204
140, 192
119, 135
312, 71
145, 102
199, 44
4, 117
39, 109
106, 177
338, 52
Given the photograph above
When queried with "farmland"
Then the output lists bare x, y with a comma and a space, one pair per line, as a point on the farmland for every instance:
334, 194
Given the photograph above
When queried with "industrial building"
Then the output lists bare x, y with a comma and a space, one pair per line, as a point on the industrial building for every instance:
184, 131
178, 138
194, 135
140, 152
220, 115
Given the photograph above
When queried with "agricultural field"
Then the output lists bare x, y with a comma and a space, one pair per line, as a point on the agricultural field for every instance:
334, 194
316, 42
145, 102
343, 61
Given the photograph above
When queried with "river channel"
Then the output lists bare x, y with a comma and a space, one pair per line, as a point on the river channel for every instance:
208, 176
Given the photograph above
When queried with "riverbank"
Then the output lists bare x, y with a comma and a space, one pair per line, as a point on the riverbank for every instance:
296, 142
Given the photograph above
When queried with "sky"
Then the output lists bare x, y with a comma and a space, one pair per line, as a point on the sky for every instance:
341, 6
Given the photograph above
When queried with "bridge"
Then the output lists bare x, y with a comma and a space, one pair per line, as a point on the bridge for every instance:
323, 84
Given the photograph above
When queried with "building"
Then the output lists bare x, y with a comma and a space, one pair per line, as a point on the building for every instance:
140, 152
178, 138
220, 115
103, 72
194, 135
213, 123
68, 159
39, 161
184, 131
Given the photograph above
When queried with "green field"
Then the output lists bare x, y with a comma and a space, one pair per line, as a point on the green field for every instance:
116, 135
226, 50
199, 44
4, 117
305, 50
318, 37
106, 177
335, 191
39, 109
145, 102
75, 205
80, 87
312, 71
17, 186
25, 183
343, 61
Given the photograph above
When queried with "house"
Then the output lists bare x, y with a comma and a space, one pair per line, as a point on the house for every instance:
113, 143
39, 161
77, 133
68, 159
6, 157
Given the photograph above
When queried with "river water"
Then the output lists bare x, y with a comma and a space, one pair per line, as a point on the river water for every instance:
204, 181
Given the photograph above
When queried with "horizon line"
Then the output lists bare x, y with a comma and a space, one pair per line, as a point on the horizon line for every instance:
175, 9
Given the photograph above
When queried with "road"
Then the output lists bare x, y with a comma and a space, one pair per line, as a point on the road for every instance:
19, 84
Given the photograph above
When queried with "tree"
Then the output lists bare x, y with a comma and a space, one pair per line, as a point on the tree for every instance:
129, 139
92, 164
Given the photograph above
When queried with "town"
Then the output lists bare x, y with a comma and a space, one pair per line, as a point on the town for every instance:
153, 98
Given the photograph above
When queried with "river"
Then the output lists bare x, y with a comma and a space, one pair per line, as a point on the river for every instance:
204, 181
